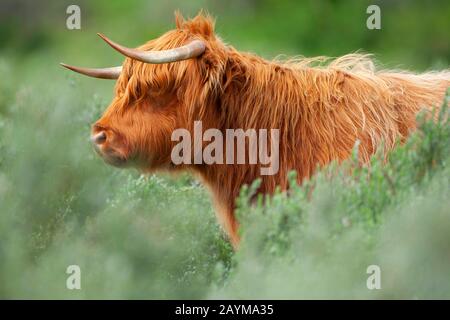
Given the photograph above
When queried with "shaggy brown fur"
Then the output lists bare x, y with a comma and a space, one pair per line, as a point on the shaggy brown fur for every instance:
321, 111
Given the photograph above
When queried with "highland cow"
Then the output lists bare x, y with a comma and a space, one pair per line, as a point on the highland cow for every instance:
189, 74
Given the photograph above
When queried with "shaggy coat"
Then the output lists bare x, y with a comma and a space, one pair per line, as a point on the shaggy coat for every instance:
321, 109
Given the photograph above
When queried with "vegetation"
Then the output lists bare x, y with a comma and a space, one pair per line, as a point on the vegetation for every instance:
137, 236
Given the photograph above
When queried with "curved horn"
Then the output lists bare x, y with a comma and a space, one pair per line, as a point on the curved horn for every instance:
102, 73
191, 50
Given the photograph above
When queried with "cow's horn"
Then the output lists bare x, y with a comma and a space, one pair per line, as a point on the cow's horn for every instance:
190, 50
102, 73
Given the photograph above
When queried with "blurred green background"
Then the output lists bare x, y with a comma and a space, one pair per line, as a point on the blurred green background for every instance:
414, 33
156, 236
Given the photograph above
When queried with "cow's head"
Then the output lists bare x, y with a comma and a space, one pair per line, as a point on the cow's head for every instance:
161, 86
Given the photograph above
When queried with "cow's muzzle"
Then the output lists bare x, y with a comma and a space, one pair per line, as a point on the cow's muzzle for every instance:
106, 145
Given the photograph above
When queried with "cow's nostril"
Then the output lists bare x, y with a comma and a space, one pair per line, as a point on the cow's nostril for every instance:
99, 138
